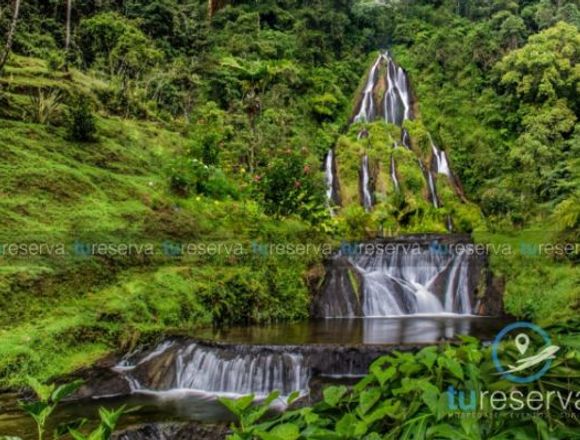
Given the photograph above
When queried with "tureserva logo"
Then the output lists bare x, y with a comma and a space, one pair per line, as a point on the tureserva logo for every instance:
531, 359
535, 363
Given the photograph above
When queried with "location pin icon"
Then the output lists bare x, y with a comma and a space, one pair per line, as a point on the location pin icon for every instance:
522, 342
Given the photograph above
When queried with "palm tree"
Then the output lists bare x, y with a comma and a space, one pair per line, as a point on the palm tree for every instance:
10, 37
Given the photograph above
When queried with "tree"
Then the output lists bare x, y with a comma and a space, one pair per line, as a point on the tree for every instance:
67, 38
545, 68
10, 38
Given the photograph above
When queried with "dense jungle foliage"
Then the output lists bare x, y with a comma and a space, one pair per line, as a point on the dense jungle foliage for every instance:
170, 121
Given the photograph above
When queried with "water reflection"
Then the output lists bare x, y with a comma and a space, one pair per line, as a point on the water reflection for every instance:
384, 331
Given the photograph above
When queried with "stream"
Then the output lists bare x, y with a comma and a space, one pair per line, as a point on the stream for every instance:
181, 378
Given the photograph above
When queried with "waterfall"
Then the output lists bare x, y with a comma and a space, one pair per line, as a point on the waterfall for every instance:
413, 282
367, 200
218, 370
432, 189
134, 359
397, 101
449, 223
329, 176
440, 158
405, 138
394, 173
430, 183
367, 111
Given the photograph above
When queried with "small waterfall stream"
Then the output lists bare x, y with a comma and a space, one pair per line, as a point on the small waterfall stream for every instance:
394, 174
441, 164
329, 175
195, 368
367, 199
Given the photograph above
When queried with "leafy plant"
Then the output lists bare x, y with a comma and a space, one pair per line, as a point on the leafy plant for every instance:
404, 396
248, 412
109, 420
44, 105
81, 124
49, 397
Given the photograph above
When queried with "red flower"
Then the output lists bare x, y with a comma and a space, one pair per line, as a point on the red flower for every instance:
297, 184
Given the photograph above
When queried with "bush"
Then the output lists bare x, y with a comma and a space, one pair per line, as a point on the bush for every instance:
189, 176
81, 121
290, 187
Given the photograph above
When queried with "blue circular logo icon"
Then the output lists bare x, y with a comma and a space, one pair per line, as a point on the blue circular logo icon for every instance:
522, 341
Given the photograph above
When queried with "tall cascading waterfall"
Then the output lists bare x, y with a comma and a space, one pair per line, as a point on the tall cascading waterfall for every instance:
213, 370
397, 103
367, 199
367, 111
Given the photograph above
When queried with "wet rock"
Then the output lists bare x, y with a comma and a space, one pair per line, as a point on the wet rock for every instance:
340, 293
172, 431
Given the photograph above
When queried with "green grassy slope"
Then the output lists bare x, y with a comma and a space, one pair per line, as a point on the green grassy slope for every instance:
61, 311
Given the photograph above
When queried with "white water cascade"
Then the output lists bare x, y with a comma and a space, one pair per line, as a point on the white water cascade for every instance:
397, 101
331, 195
441, 162
329, 175
394, 174
367, 111
409, 283
196, 368
365, 183
405, 138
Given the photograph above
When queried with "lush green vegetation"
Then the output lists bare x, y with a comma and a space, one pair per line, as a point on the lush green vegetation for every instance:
162, 124
405, 396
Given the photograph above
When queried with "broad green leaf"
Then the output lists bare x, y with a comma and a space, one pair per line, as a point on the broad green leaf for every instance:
385, 409
65, 390
332, 395
446, 431
286, 431
346, 425
230, 404
271, 397
452, 365
383, 375
367, 400
42, 391
427, 356
244, 403
293, 396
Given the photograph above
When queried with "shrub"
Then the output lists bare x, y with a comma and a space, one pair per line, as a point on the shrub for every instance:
44, 106
189, 176
81, 121
290, 187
